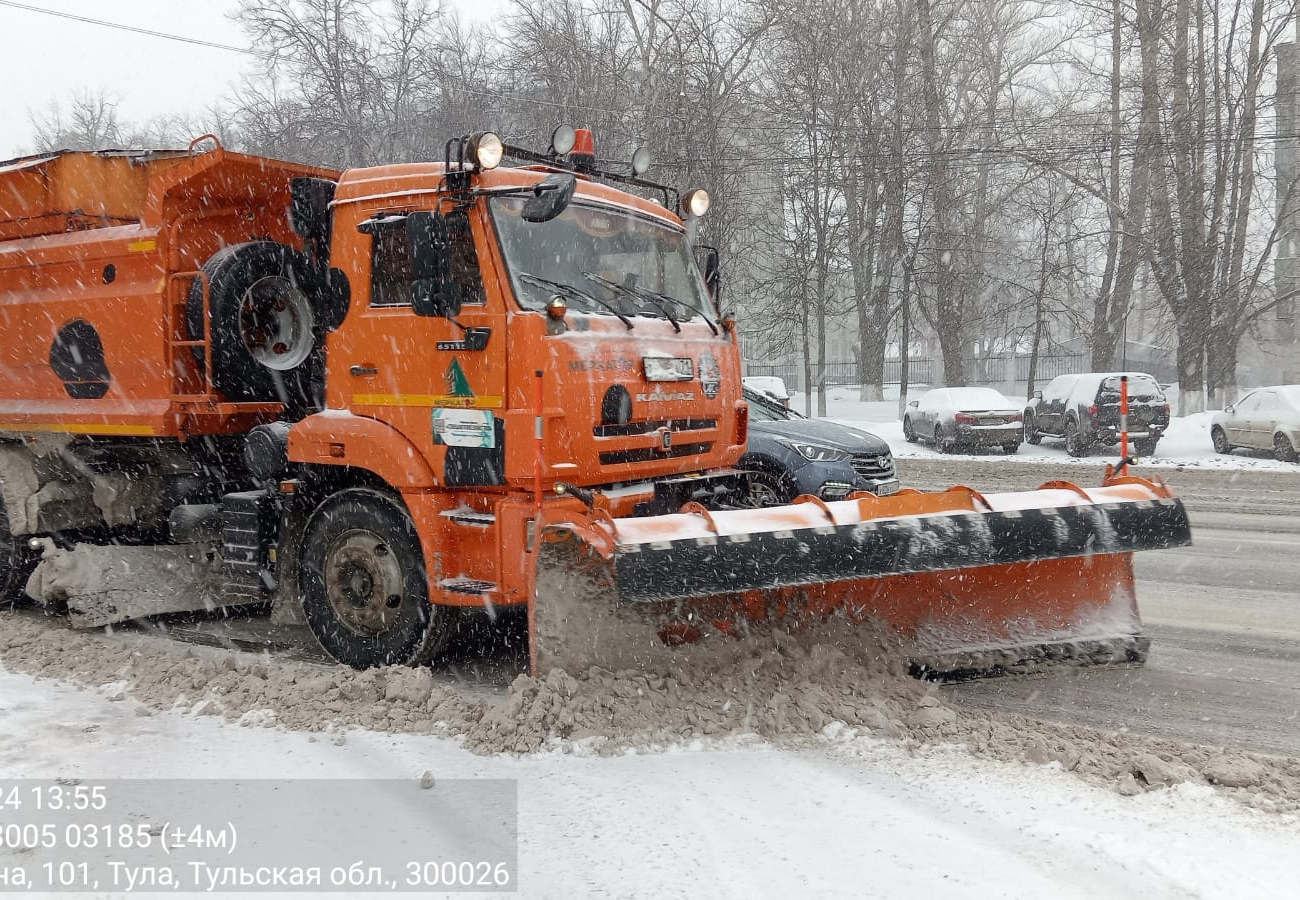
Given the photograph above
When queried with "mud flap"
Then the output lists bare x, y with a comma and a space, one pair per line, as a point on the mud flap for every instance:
1004, 580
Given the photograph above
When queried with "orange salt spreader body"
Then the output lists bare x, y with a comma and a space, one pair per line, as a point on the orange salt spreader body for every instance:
382, 399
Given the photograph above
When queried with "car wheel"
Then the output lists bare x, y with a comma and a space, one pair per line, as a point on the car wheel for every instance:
908, 434
1220, 440
765, 489
1073, 443
1144, 448
1031, 433
1011, 449
939, 443
1283, 448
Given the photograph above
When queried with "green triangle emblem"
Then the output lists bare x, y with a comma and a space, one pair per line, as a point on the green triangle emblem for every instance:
457, 383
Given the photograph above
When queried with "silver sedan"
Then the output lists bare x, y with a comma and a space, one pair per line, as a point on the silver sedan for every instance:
1264, 419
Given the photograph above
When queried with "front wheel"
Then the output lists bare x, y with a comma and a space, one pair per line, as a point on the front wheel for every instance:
1283, 449
909, 434
365, 592
1073, 443
764, 489
1220, 440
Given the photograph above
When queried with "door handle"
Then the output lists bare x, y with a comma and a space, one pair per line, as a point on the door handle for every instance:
363, 370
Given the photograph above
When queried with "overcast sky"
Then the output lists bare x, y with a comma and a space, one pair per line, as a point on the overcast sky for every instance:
48, 57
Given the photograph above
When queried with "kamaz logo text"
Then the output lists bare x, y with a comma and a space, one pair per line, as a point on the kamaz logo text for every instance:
664, 397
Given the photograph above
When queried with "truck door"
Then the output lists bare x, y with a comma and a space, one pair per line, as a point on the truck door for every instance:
439, 380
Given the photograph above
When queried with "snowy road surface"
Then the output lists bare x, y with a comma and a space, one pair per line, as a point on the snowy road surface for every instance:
848, 817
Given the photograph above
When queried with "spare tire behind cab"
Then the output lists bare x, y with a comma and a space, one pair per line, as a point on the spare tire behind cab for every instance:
264, 324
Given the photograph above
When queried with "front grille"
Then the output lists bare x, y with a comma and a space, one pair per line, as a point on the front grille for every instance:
652, 426
650, 454
873, 465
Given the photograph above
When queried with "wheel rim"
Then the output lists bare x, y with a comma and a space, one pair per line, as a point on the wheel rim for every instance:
762, 494
363, 582
1282, 447
275, 323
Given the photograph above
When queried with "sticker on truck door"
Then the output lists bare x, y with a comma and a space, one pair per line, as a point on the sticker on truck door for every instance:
464, 428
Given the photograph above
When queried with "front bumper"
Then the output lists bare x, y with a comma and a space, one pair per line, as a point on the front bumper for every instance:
836, 480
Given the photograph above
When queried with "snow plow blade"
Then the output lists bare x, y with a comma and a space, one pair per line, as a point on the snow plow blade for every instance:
965, 583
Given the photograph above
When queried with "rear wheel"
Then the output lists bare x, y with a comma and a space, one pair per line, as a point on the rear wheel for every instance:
1073, 442
1144, 448
1283, 448
1220, 439
1009, 449
365, 592
909, 434
16, 563
1031, 433
939, 443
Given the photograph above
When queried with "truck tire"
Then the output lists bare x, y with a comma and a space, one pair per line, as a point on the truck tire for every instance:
365, 593
264, 326
16, 564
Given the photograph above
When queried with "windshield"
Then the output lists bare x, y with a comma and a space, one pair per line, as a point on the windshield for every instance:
602, 261
763, 409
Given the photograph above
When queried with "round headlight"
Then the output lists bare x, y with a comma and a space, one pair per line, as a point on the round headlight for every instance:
556, 308
696, 203
562, 139
641, 161
486, 150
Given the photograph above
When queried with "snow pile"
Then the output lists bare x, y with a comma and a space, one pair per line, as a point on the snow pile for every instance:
789, 691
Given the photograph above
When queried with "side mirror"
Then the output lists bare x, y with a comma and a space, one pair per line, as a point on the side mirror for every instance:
551, 196
432, 291
1038, 395
1228, 408
713, 274
915, 404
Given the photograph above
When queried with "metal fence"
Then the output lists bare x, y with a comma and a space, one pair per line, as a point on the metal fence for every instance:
1002, 369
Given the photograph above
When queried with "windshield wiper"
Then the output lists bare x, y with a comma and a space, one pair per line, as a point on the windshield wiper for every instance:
660, 301
574, 292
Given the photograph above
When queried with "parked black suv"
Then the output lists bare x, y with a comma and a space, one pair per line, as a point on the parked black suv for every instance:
1084, 411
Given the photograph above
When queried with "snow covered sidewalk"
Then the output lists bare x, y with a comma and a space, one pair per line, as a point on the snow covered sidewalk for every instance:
847, 816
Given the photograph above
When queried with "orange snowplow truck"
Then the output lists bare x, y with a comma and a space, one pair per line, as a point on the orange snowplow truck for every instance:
378, 398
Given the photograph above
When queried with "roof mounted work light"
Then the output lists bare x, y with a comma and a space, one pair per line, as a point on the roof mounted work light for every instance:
696, 203
562, 140
486, 150
641, 161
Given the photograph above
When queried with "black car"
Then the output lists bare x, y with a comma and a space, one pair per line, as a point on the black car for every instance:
789, 455
1083, 410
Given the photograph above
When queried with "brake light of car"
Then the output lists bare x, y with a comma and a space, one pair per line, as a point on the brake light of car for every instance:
964, 417
1092, 410
742, 424
1166, 409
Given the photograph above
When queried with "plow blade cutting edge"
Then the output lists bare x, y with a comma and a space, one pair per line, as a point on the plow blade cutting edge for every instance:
964, 582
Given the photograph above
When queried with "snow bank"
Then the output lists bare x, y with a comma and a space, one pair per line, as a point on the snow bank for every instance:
787, 690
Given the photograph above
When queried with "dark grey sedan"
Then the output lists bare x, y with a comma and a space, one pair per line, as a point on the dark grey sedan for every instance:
790, 454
